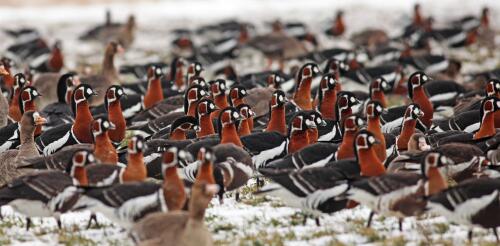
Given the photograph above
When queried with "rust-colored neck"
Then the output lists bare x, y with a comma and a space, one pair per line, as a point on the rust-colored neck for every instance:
313, 135
104, 150
487, 128
154, 94
369, 163
206, 126
177, 134
346, 150
136, 170
83, 122
115, 116
237, 102
406, 132
420, 98
192, 109
298, 140
327, 104
80, 174
173, 190
179, 79
244, 128
8, 81
221, 101
277, 121
380, 97
14, 111
436, 182
206, 173
230, 135
376, 130
302, 96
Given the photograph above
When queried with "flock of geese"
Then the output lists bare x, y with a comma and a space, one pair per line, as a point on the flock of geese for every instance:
321, 128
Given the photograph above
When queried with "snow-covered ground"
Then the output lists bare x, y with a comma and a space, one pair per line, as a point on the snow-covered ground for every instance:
254, 221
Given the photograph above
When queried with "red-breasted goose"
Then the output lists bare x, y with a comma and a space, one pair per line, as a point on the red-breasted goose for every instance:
246, 125
104, 150
19, 82
115, 114
154, 93
302, 95
52, 140
204, 110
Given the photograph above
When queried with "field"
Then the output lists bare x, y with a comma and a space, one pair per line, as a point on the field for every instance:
254, 220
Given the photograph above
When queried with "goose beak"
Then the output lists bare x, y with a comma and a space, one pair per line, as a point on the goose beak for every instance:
3, 71
40, 121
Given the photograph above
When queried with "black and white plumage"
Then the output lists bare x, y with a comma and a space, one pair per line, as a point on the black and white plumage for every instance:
474, 202
59, 160
314, 155
124, 204
9, 137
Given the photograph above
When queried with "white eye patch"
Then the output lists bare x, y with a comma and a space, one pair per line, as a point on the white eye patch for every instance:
35, 93
497, 86
120, 92
212, 106
243, 92
417, 110
235, 115
315, 69
280, 98
371, 139
198, 67
139, 145
379, 108
424, 77
353, 99
89, 91
443, 159
202, 92
91, 157
208, 156
278, 79
331, 81
222, 86
158, 70
105, 124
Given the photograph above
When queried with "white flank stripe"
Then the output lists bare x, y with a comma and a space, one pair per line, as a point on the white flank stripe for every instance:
56, 145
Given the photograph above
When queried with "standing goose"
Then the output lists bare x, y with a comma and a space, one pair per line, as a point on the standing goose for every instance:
204, 110
401, 194
179, 227
344, 106
46, 193
327, 96
113, 105
378, 88
108, 75
104, 150
19, 82
471, 203
52, 140
302, 95
11, 159
277, 114
373, 111
129, 202
154, 93
412, 114
320, 153
246, 125
218, 90
319, 190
